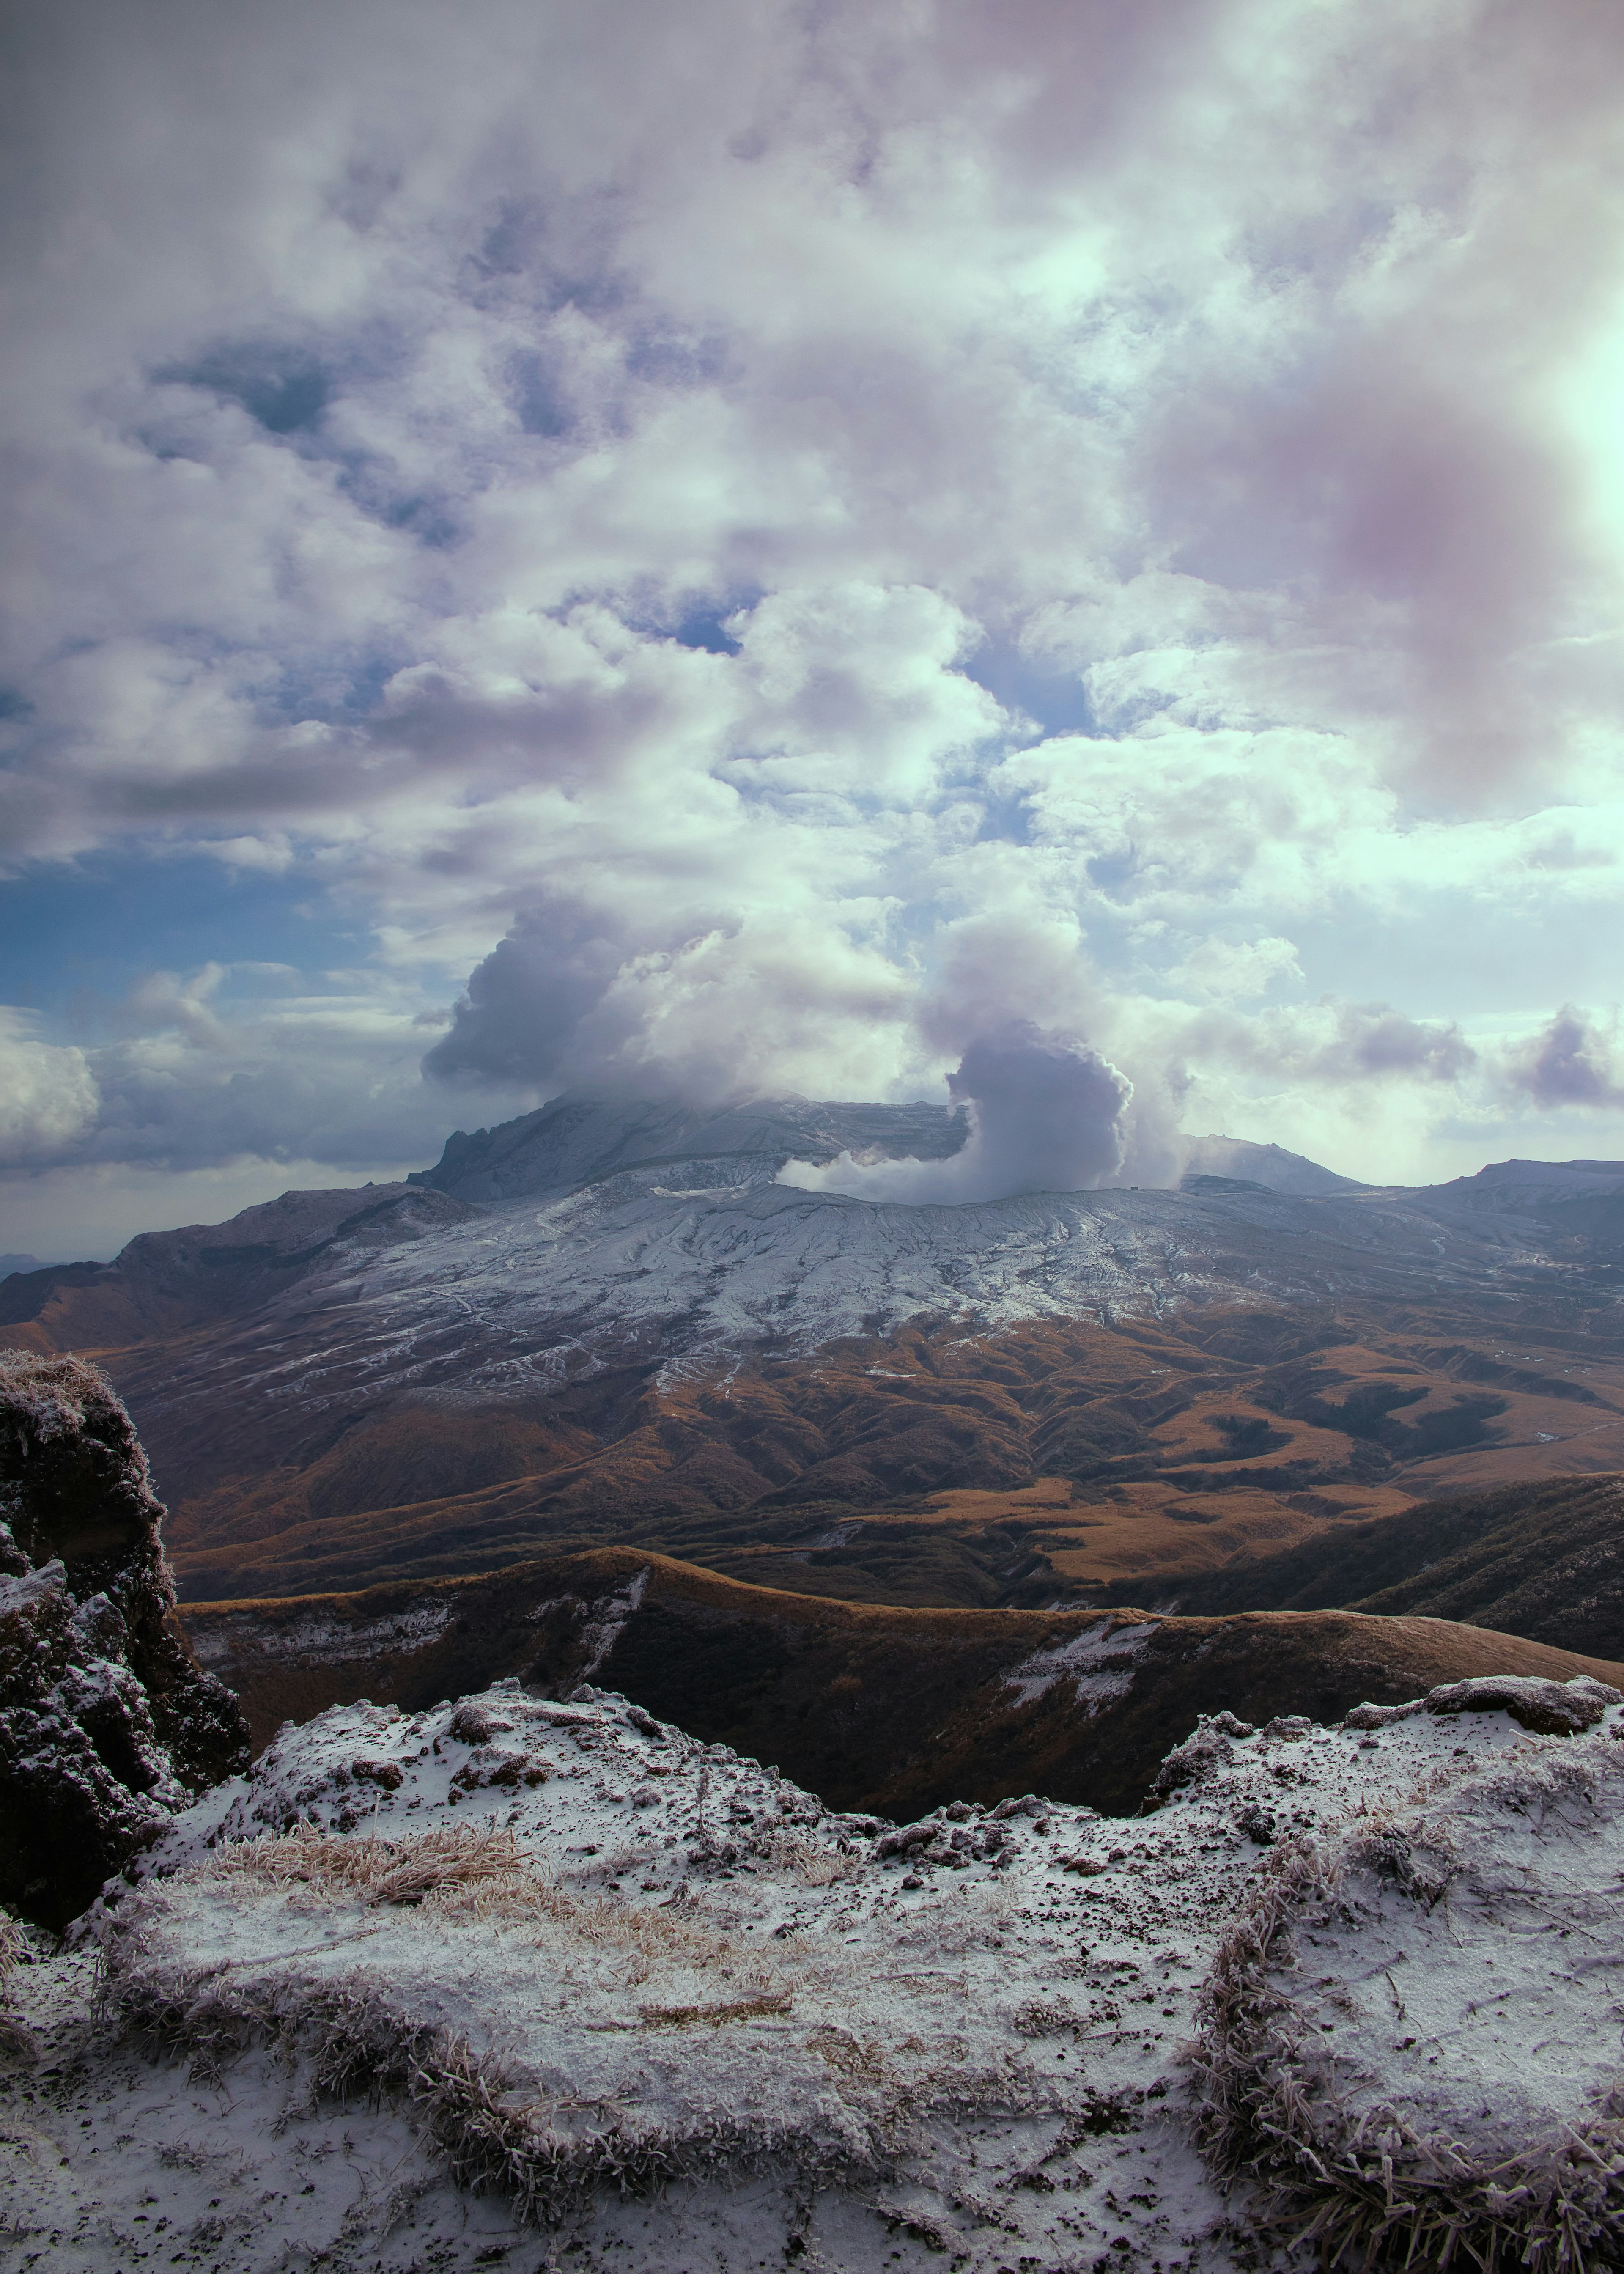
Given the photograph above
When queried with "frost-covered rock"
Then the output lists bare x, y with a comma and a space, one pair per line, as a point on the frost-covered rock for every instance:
1555, 1709
107, 1726
651, 1995
517, 1959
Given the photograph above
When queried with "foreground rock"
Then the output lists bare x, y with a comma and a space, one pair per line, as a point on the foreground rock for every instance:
107, 1725
649, 1996
871, 1705
1406, 2049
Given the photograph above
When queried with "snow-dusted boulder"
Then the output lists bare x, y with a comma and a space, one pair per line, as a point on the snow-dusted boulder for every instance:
107, 1726
1554, 1709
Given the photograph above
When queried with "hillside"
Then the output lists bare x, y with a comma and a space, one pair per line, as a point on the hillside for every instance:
600, 1325
1544, 1560
869, 1707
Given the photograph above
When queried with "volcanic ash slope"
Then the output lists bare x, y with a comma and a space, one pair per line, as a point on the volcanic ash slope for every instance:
654, 2007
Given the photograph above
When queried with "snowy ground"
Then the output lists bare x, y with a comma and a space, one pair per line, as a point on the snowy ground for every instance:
712, 1257
575, 1950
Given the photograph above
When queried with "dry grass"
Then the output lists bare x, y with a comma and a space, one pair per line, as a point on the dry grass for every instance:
13, 1944
814, 1864
14, 2038
547, 2153
715, 2016
1368, 2190
453, 1861
482, 1874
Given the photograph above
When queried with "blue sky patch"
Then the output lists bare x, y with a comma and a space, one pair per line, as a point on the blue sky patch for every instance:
95, 929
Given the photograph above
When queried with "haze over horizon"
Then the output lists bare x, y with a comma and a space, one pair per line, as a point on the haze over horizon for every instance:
1072, 548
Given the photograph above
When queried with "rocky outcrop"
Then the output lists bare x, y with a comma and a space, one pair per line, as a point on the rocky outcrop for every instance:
107, 1724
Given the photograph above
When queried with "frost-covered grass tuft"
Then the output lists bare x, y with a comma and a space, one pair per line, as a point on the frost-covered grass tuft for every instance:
474, 1870
51, 1394
14, 2037
448, 1861
548, 2153
13, 1947
1392, 2160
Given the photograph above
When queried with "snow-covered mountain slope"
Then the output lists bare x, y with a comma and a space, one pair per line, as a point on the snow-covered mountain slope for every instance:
1264, 1164
709, 1257
654, 1996
575, 1141
623, 1323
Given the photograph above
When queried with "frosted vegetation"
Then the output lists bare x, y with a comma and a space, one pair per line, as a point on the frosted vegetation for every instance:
530, 1981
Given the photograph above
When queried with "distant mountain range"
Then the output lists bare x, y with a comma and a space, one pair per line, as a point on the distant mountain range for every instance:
601, 1324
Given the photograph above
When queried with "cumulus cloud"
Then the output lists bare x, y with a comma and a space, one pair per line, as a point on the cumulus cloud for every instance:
1373, 1039
48, 1094
1044, 1115
791, 547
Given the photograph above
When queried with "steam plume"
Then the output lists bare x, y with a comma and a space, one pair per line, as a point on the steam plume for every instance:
1045, 1116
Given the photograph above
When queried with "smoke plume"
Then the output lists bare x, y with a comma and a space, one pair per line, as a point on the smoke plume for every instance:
1045, 1116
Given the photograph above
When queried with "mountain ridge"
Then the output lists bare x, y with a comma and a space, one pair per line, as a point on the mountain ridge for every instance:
868, 1706
347, 1385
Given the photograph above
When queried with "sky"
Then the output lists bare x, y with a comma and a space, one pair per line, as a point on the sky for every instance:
781, 545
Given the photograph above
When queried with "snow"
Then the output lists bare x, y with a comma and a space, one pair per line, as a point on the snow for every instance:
1100, 1661
601, 1634
846, 2045
316, 1640
36, 1590
511, 1300
1468, 2016
1419, 2045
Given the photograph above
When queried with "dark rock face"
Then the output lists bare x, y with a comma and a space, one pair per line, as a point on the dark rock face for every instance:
106, 1722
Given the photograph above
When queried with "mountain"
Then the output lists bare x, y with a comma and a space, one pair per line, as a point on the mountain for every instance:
871, 1708
605, 1323
1270, 1165
572, 1142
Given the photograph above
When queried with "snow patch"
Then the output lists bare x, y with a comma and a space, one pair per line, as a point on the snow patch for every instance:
315, 1640
601, 1634
1101, 1659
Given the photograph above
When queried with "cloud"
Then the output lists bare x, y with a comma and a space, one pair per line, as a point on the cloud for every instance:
1045, 1115
48, 1094
1373, 1039
1571, 1062
1229, 971
190, 1071
1333, 1044
565, 501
